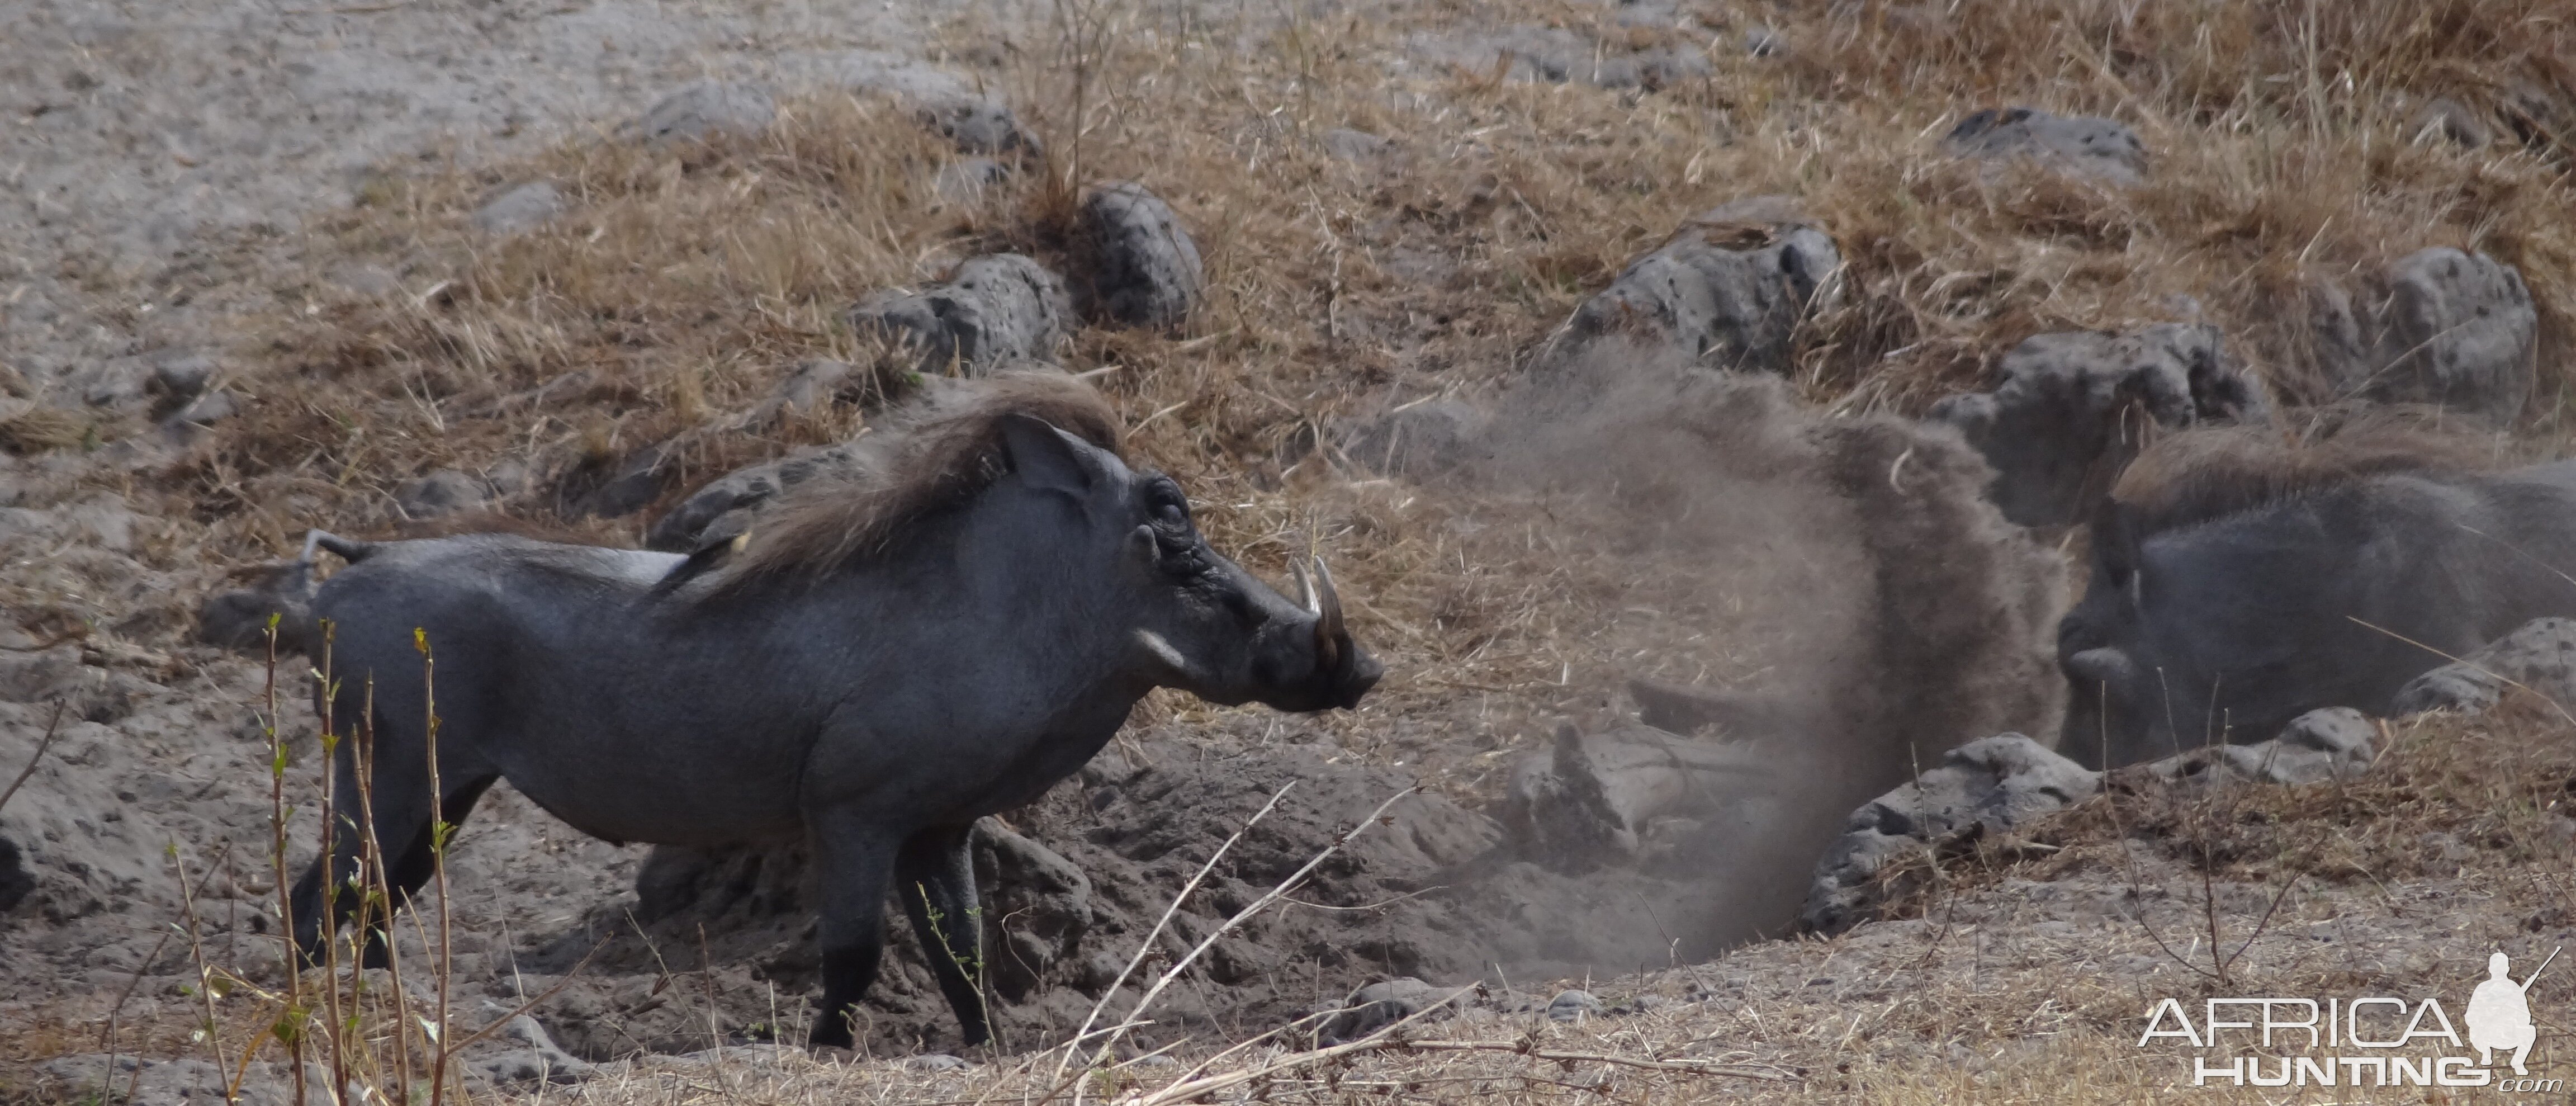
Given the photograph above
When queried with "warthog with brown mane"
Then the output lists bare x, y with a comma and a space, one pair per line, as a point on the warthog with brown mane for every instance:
2240, 580
885, 660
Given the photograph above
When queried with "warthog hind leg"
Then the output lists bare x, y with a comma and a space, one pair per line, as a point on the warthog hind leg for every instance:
857, 862
935, 874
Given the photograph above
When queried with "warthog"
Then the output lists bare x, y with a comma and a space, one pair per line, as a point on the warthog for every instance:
2238, 583
885, 660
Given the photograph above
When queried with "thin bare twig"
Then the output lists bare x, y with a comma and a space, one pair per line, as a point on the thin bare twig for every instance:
51, 728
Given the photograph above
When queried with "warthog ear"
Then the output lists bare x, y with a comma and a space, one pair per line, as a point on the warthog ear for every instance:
1047, 458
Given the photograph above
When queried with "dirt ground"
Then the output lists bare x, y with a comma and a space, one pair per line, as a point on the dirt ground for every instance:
283, 197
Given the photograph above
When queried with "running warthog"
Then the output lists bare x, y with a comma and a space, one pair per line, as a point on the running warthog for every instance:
2238, 583
885, 660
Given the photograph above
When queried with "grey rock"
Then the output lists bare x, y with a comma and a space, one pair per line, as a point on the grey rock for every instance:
521, 1054
520, 209
2063, 417
934, 1061
1350, 145
35, 676
1570, 1006
1555, 55
1381, 1004
1987, 785
1590, 800
1727, 290
1416, 440
1047, 899
980, 126
723, 508
2540, 655
634, 484
705, 110
1144, 268
2324, 744
2080, 145
993, 311
2438, 327
969, 180
809, 387
2445, 119
444, 492
206, 410
181, 375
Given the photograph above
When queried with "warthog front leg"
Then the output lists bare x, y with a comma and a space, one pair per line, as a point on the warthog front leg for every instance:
935, 875
856, 861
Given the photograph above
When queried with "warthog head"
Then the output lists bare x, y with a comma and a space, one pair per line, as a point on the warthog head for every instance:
1194, 619
2130, 694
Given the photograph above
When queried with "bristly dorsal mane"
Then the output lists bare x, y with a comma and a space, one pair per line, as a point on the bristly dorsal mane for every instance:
2207, 474
941, 454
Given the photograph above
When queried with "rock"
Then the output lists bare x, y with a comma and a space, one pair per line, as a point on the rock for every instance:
2540, 655
35, 676
2438, 327
1987, 785
2324, 744
205, 410
1763, 42
735, 496
1044, 901
970, 180
521, 1054
180, 375
1346, 144
993, 311
190, 1082
1386, 1002
519, 210
444, 492
809, 387
1559, 56
1417, 440
980, 126
705, 110
633, 485
1726, 290
933, 1061
1570, 1006
2062, 419
2443, 119
239, 619
2083, 146
1144, 268
1587, 801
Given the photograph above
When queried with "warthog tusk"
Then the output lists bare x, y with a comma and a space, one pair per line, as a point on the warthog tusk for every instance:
1162, 650
1328, 606
1306, 590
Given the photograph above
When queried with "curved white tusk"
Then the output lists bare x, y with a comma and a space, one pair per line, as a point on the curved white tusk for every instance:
1329, 604
1305, 589
1898, 467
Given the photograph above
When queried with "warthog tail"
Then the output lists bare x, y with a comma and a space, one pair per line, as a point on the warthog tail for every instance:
343, 548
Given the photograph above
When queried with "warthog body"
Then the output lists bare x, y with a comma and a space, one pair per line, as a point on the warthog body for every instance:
2231, 593
872, 673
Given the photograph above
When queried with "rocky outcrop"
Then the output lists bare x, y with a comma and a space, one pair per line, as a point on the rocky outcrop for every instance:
2540, 656
1984, 786
994, 311
1725, 291
2069, 411
2082, 146
2439, 327
707, 110
2326, 744
1144, 269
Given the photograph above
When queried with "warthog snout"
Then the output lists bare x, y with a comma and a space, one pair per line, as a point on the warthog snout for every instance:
1344, 671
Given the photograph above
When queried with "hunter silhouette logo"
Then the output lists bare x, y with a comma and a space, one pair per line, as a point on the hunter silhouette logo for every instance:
2499, 1015
2367, 1041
